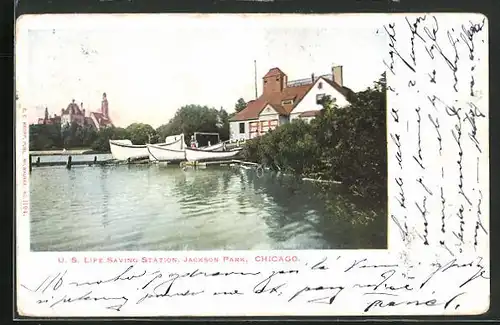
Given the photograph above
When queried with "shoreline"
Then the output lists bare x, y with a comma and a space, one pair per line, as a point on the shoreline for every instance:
71, 152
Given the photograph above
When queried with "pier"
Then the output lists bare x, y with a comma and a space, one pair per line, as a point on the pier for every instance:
69, 162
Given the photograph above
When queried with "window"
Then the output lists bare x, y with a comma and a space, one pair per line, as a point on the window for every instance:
287, 102
319, 98
320, 85
242, 127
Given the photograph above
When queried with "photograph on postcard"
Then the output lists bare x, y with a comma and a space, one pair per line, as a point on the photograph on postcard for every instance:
252, 165
196, 138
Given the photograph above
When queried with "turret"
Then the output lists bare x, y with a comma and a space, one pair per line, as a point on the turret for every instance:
104, 105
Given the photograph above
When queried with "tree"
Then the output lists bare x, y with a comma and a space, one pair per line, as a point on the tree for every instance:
195, 118
240, 105
141, 133
223, 124
101, 143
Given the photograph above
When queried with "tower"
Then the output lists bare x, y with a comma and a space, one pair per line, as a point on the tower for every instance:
104, 105
46, 114
274, 81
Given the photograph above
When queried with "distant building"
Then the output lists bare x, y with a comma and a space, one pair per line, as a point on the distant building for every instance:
73, 114
77, 114
283, 101
49, 120
101, 119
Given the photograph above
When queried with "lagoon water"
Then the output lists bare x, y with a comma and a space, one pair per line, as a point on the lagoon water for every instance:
157, 207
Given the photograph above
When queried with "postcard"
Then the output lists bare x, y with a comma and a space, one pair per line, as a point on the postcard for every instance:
252, 165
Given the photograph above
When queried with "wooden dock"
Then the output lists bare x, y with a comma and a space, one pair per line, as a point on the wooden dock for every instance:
69, 162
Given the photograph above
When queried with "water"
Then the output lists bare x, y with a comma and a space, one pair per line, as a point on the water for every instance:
154, 207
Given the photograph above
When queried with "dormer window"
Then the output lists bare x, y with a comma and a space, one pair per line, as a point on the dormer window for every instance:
287, 102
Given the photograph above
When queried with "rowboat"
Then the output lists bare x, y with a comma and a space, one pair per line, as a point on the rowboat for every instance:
163, 153
125, 150
215, 147
175, 144
193, 154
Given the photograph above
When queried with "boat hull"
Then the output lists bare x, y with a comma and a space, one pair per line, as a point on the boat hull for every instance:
203, 155
214, 147
162, 153
125, 150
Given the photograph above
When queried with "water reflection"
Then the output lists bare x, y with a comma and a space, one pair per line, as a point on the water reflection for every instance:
155, 207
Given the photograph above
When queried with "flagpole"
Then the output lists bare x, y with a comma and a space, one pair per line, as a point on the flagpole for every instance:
255, 76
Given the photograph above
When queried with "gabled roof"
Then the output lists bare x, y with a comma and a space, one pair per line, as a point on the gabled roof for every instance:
341, 89
101, 119
296, 93
254, 107
73, 107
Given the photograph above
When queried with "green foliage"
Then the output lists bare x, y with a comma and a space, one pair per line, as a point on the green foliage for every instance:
48, 136
195, 118
347, 144
141, 133
45, 137
240, 105
101, 144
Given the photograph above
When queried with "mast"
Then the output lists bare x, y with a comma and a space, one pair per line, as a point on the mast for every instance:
255, 76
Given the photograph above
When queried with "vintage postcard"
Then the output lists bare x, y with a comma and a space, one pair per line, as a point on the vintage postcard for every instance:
252, 165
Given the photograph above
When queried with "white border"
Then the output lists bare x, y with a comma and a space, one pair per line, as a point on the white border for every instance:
400, 271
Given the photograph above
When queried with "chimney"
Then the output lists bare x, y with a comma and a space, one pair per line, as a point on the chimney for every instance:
337, 75
312, 77
83, 111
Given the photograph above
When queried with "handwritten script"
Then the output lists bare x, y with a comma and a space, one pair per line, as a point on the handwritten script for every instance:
335, 283
436, 69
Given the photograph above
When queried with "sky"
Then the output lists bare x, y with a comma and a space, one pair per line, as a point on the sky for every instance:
151, 65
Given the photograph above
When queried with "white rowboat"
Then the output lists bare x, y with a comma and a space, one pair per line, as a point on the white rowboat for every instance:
162, 153
215, 147
199, 155
124, 149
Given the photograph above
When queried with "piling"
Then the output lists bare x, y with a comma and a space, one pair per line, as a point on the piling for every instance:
38, 162
31, 162
68, 164
95, 160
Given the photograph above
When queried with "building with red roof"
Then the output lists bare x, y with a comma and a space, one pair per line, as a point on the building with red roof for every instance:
282, 101
102, 119
74, 113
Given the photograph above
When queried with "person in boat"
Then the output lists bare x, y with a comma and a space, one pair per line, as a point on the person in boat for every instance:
194, 145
